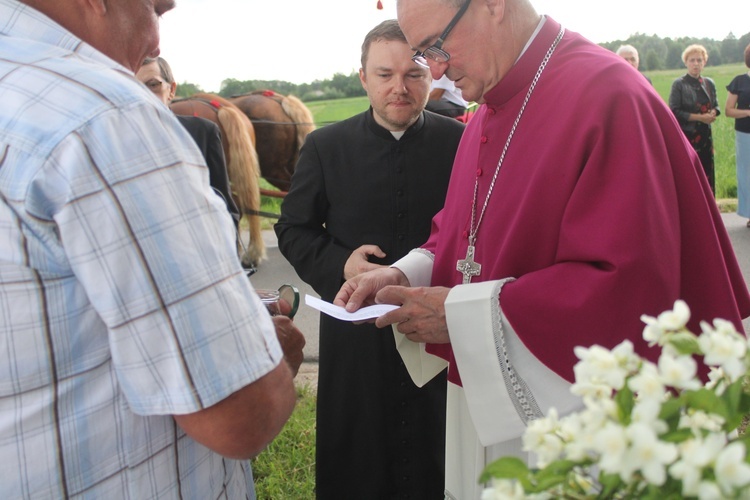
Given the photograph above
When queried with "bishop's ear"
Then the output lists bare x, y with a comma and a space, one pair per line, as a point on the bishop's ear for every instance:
495, 7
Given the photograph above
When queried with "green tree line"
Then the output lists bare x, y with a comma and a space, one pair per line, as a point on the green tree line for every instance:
655, 53
666, 53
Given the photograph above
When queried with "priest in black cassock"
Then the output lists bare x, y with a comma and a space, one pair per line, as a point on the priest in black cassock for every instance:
363, 194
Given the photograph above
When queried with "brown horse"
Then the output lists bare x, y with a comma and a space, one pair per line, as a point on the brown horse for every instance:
281, 124
238, 138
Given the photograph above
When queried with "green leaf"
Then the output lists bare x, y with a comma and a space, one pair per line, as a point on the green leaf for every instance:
557, 467
611, 483
685, 343
506, 468
733, 395
671, 410
677, 436
744, 404
625, 400
738, 403
708, 401
555, 473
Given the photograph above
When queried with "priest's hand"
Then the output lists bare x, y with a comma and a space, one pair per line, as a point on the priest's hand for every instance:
358, 262
360, 290
292, 341
421, 316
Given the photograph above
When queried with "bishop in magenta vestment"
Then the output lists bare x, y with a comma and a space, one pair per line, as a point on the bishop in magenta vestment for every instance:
601, 212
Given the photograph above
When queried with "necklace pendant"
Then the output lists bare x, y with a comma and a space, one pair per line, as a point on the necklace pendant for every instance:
468, 267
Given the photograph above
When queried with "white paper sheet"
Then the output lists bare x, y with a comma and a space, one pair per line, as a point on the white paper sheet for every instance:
339, 312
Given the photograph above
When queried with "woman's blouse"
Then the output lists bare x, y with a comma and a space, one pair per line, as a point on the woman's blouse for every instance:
740, 86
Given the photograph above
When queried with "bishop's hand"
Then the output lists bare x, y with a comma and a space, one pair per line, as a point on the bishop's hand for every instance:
421, 316
360, 290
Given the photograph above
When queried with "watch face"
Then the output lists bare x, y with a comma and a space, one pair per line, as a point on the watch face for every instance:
290, 293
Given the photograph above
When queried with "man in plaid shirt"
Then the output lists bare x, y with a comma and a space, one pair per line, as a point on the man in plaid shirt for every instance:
136, 361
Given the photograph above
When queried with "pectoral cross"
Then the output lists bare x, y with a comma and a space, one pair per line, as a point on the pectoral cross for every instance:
467, 266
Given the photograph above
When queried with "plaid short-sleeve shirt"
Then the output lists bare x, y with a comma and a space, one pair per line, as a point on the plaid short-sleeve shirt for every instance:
122, 301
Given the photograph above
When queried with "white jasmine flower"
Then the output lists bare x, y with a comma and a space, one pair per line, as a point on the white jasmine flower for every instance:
599, 366
646, 412
723, 347
698, 420
677, 318
647, 454
598, 413
731, 469
578, 431
611, 443
716, 380
696, 454
541, 438
503, 489
709, 490
724, 327
589, 390
570, 427
704, 449
652, 332
546, 425
689, 474
647, 383
668, 321
626, 357
678, 371
708, 465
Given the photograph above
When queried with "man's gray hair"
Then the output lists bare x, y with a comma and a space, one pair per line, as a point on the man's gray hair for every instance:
626, 48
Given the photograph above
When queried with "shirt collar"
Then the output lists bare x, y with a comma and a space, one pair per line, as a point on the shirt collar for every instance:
520, 75
383, 132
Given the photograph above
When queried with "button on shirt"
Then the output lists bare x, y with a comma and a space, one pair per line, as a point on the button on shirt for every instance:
122, 301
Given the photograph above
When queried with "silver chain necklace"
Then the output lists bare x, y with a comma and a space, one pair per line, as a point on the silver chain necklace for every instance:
468, 267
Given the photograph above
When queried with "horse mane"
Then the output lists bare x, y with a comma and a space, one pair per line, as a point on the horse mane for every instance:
295, 109
243, 168
299, 114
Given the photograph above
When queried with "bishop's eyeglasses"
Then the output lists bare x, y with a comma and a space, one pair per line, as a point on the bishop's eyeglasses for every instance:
435, 51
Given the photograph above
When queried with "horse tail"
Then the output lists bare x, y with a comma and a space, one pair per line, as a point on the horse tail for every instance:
243, 169
300, 115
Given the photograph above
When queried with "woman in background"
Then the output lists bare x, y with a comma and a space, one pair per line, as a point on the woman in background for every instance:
156, 74
693, 101
738, 107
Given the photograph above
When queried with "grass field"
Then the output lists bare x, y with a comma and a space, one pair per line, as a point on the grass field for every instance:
286, 469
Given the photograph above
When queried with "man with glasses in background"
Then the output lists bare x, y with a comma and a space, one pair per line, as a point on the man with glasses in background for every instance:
575, 206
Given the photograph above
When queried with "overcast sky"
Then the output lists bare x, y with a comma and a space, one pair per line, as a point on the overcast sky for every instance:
207, 41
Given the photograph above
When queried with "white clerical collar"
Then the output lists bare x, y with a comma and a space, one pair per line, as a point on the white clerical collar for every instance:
542, 20
398, 134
